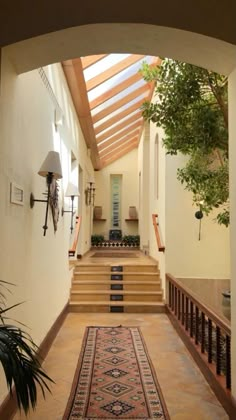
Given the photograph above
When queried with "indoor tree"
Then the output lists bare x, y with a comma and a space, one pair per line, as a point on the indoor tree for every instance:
19, 359
191, 107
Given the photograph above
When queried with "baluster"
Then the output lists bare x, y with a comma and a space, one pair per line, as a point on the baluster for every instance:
209, 340
218, 350
186, 313
182, 308
178, 304
169, 297
196, 325
173, 297
203, 322
176, 301
191, 319
228, 362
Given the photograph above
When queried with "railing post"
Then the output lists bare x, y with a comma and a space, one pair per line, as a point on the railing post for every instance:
228, 362
182, 309
186, 313
179, 305
209, 340
203, 323
196, 325
218, 350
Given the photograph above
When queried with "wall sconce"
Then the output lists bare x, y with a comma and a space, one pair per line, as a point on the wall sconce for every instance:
72, 192
90, 194
50, 169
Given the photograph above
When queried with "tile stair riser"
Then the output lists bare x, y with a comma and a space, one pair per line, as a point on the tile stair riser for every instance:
135, 287
94, 268
100, 296
103, 276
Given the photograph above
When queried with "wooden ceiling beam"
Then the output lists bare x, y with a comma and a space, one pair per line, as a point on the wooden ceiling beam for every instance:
120, 87
118, 104
89, 60
118, 117
114, 146
118, 147
127, 137
106, 162
112, 71
119, 127
123, 132
75, 78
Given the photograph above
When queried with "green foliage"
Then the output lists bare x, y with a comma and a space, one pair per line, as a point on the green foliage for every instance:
97, 239
131, 240
19, 360
191, 107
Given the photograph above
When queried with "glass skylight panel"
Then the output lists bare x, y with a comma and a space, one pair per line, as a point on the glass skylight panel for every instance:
119, 96
120, 121
123, 108
102, 65
118, 78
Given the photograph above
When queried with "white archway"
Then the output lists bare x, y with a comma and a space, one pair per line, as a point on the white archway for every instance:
149, 39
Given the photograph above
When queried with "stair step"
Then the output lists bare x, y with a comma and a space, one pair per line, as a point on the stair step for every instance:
111, 282
128, 306
116, 292
97, 295
107, 268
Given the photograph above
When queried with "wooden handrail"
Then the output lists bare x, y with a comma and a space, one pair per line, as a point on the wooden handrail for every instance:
161, 247
206, 336
204, 308
72, 250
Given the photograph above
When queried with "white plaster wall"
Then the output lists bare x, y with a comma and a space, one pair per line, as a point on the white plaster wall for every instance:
157, 202
186, 256
37, 265
127, 166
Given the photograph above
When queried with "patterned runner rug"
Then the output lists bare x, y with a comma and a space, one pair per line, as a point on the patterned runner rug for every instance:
114, 378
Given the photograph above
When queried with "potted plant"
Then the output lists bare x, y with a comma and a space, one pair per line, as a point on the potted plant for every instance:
18, 356
97, 240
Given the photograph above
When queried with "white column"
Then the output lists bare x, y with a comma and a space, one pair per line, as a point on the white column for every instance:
232, 175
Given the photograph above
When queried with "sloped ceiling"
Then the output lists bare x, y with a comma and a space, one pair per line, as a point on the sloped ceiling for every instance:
107, 91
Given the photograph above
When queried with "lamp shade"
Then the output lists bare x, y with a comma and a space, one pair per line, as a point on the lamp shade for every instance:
51, 164
72, 190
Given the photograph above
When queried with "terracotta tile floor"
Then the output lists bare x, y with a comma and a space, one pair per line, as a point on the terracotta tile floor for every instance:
185, 390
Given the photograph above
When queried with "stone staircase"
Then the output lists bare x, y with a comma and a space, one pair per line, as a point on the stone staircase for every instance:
114, 288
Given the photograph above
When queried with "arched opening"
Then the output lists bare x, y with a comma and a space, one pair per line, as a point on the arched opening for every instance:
140, 38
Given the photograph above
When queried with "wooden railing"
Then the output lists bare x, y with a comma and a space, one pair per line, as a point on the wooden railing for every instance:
206, 335
161, 247
72, 250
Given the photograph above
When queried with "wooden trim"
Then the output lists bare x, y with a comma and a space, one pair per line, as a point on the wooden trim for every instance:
75, 78
112, 148
118, 117
118, 104
223, 395
72, 250
118, 137
119, 127
89, 60
9, 406
161, 247
112, 71
106, 162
